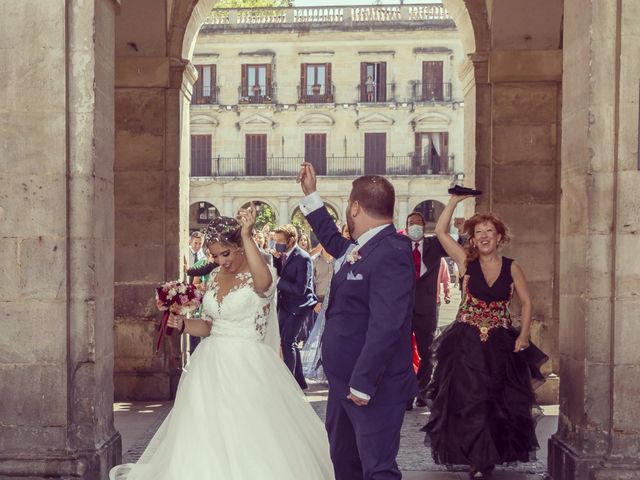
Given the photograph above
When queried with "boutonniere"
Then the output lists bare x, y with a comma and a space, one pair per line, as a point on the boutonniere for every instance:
353, 256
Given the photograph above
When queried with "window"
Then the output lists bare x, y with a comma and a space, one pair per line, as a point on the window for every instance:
432, 86
315, 151
256, 154
205, 89
315, 83
256, 84
373, 82
432, 153
200, 155
375, 153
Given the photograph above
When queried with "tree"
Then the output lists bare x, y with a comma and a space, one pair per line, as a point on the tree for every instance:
253, 3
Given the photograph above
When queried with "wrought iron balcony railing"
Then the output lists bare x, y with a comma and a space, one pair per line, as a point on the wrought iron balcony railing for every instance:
371, 93
330, 166
207, 95
430, 92
316, 93
256, 94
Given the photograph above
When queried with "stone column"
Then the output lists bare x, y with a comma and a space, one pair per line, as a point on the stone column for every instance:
517, 99
228, 206
56, 240
283, 210
599, 432
403, 211
151, 181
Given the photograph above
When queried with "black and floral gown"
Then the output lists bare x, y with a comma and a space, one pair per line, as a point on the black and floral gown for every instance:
481, 395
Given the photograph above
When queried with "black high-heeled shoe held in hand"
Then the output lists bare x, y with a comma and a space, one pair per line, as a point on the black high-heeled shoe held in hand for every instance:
460, 190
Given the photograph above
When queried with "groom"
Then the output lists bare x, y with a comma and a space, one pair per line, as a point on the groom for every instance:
366, 350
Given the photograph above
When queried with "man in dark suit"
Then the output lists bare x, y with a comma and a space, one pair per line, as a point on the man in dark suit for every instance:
296, 297
427, 253
366, 349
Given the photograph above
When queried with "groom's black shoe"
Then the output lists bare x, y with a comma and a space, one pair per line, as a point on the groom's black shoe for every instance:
409, 406
460, 190
420, 402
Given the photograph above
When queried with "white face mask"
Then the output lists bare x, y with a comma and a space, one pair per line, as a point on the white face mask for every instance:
415, 232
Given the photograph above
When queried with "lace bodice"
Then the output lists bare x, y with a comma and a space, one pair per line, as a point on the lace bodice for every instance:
241, 313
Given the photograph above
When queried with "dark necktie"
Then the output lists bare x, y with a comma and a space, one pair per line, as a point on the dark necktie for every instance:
417, 259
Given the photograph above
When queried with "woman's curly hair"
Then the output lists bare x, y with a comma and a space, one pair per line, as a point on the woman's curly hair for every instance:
470, 228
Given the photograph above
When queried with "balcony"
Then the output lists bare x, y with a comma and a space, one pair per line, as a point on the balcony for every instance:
432, 15
430, 92
207, 96
407, 165
257, 94
316, 93
377, 94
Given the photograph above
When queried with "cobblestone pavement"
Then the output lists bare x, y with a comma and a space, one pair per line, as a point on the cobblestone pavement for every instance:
137, 422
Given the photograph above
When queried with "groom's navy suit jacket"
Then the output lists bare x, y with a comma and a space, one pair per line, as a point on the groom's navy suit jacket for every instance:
295, 287
367, 338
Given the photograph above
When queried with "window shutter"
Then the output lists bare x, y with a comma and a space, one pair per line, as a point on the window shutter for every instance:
382, 82
243, 82
432, 80
444, 161
363, 80
303, 80
214, 82
329, 86
196, 96
269, 88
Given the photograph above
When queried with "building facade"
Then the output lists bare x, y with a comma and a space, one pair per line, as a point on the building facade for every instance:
353, 90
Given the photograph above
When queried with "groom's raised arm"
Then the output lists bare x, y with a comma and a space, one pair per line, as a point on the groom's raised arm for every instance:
326, 230
391, 294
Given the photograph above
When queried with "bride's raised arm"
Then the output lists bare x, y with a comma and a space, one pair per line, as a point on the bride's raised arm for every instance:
259, 271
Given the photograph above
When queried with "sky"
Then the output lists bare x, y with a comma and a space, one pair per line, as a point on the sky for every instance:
323, 3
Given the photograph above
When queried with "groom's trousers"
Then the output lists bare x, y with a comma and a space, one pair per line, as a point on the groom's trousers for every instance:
364, 441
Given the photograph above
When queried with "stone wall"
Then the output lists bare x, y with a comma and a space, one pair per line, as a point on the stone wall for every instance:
151, 185
599, 432
518, 101
56, 236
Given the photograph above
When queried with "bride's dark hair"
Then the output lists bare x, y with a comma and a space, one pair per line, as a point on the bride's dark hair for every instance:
223, 230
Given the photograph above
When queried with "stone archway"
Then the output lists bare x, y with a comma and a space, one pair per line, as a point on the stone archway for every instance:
575, 245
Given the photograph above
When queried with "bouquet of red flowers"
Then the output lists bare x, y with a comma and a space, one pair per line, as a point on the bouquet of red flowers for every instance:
175, 297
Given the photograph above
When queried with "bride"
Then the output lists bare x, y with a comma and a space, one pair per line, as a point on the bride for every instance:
238, 413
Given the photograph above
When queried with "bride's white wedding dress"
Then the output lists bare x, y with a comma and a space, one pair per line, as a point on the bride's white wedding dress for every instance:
238, 413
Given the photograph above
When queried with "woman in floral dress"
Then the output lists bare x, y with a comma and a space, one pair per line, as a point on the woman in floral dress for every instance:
481, 393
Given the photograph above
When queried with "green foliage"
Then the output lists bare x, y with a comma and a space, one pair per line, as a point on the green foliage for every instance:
265, 216
253, 3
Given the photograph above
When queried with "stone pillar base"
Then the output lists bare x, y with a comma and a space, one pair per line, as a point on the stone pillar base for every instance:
565, 463
68, 465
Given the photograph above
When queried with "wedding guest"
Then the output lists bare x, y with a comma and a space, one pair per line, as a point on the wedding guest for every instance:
296, 296
444, 279
427, 257
304, 242
194, 253
481, 395
323, 268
